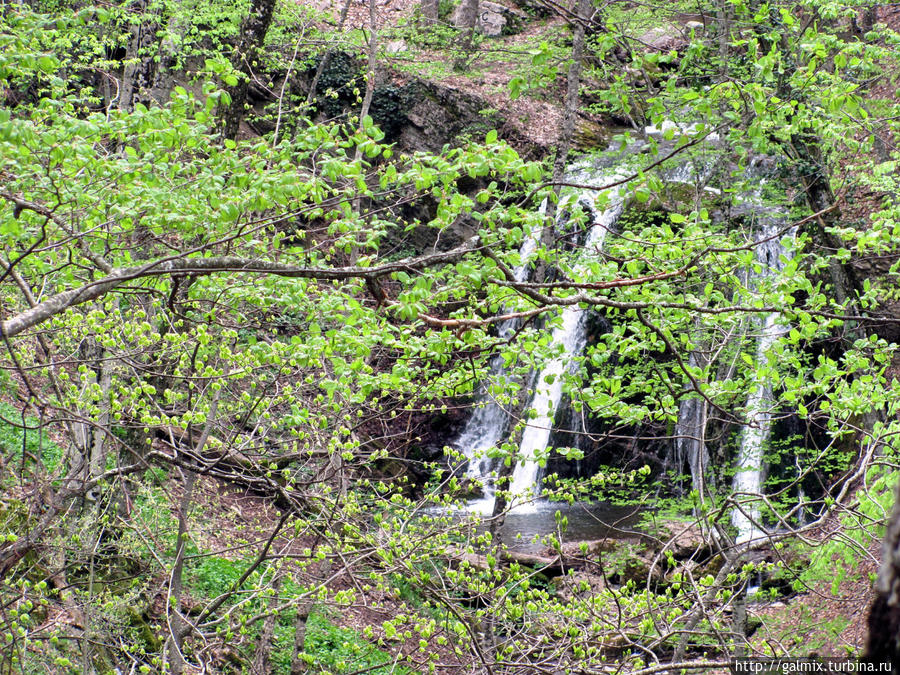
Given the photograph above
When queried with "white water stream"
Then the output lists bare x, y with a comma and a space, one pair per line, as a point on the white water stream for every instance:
489, 424
568, 340
748, 479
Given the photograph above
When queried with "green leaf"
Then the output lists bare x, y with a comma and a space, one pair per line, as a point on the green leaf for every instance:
48, 64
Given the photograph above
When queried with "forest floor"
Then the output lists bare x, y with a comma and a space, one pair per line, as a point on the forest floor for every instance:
826, 618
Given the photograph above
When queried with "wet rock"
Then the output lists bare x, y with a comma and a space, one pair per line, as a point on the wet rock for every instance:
640, 569
675, 197
594, 550
684, 540
590, 134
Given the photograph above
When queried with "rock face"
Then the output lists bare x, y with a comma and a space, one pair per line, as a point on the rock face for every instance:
396, 47
493, 19
441, 113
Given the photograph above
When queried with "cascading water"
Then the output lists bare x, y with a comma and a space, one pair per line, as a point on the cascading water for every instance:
690, 428
748, 480
568, 341
489, 424
690, 440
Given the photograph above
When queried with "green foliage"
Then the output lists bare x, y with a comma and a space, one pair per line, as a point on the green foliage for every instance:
340, 650
264, 307
25, 440
837, 560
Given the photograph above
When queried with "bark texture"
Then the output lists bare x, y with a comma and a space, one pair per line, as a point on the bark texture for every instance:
884, 615
262, 657
567, 127
468, 18
298, 663
142, 70
253, 35
429, 12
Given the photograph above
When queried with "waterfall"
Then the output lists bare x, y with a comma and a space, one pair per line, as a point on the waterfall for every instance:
748, 480
690, 439
489, 424
568, 341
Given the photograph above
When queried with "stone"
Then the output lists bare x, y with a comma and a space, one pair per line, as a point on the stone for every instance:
641, 569
493, 18
395, 47
686, 540
662, 39
576, 585
590, 134
594, 549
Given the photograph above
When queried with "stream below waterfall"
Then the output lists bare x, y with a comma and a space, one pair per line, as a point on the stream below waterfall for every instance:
586, 522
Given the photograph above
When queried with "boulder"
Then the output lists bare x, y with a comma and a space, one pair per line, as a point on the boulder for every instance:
396, 47
493, 19
577, 585
535, 8
640, 569
663, 39
695, 27
438, 113
590, 134
593, 550
687, 540
691, 569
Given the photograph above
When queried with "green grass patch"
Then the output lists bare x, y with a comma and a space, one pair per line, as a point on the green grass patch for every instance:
17, 435
329, 648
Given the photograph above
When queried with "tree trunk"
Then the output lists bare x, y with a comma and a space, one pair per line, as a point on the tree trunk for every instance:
298, 664
570, 113
143, 66
370, 71
820, 199
357, 154
261, 664
723, 24
164, 75
468, 18
178, 626
91, 438
253, 35
429, 12
883, 645
323, 62
99, 446
177, 623
566, 128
